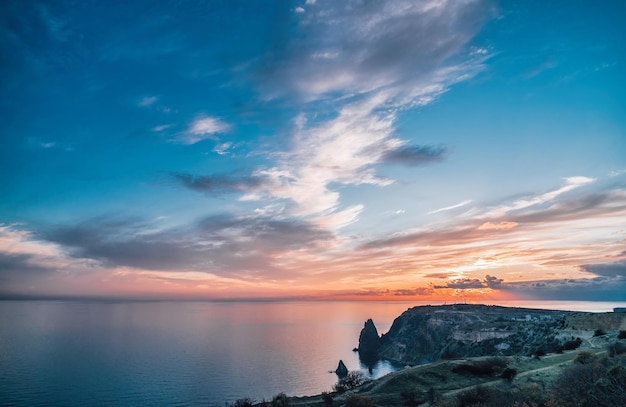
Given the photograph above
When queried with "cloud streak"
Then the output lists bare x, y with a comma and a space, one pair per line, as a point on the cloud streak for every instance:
449, 208
414, 155
220, 183
203, 128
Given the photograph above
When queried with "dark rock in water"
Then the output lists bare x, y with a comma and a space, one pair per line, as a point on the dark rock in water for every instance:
369, 341
342, 370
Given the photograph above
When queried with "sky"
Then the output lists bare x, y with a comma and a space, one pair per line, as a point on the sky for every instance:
314, 149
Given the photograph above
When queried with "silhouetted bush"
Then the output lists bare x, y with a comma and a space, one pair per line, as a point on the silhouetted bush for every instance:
584, 357
410, 398
473, 397
327, 398
352, 380
339, 387
280, 400
539, 352
621, 335
245, 402
481, 367
616, 349
571, 345
508, 374
359, 401
598, 332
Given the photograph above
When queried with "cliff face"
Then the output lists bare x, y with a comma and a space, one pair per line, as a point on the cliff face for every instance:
426, 334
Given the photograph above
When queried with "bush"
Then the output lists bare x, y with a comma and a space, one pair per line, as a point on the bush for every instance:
474, 396
571, 345
280, 400
352, 380
410, 398
621, 335
359, 401
598, 332
616, 349
327, 398
508, 374
246, 402
339, 387
481, 367
584, 357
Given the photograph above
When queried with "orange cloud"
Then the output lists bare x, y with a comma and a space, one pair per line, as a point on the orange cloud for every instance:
497, 226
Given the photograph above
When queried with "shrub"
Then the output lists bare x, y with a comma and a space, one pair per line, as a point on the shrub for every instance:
359, 401
584, 357
339, 387
598, 332
621, 335
280, 400
352, 380
246, 402
410, 398
616, 349
327, 398
508, 374
571, 345
474, 396
481, 367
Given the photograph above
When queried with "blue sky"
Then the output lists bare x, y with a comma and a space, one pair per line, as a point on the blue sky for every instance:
313, 149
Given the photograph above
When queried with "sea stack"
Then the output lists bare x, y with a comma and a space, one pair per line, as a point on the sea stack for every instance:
369, 341
342, 370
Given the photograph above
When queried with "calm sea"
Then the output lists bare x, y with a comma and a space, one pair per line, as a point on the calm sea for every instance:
74, 353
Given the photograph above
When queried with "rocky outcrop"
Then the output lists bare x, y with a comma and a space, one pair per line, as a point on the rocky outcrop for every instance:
369, 341
342, 370
429, 333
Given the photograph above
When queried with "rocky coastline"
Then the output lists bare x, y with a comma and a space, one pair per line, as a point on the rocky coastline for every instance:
427, 334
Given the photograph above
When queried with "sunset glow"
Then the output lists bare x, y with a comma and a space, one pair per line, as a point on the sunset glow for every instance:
399, 150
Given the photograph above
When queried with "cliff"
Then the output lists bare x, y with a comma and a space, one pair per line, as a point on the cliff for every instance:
430, 333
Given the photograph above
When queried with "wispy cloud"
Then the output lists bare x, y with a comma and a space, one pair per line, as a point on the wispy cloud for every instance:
148, 101
449, 208
497, 226
219, 183
394, 45
571, 183
386, 57
203, 128
413, 155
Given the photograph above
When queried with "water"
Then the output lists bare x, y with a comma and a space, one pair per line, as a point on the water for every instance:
185, 353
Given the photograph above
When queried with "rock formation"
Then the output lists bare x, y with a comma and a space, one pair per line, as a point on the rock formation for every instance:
342, 370
369, 341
